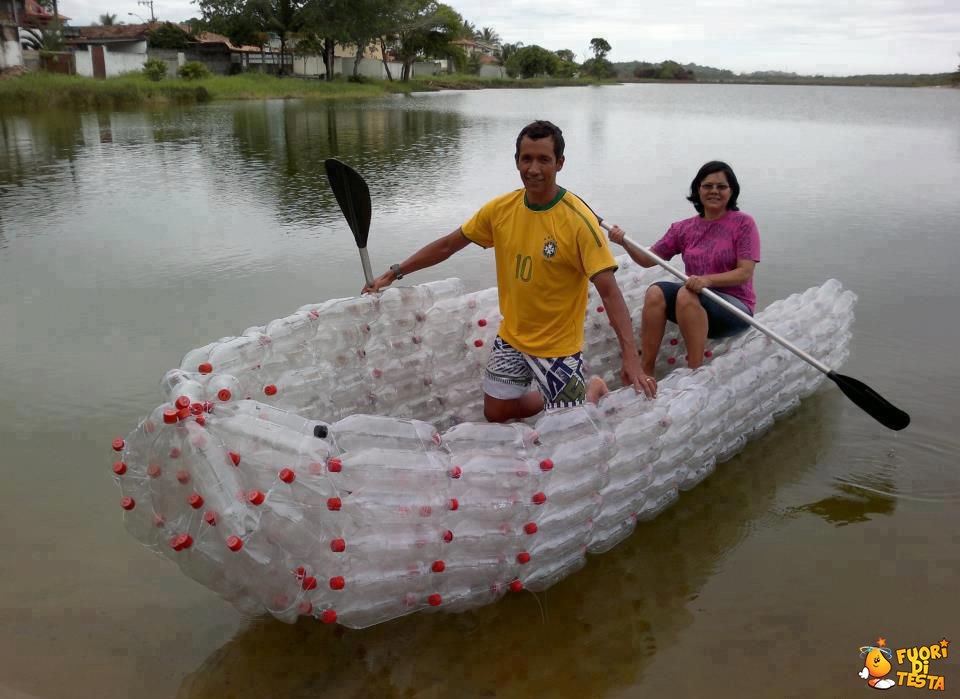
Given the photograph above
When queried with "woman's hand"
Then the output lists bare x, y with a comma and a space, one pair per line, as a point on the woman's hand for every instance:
384, 280
616, 234
697, 284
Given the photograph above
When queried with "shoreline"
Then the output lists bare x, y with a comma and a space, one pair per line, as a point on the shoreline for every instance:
37, 91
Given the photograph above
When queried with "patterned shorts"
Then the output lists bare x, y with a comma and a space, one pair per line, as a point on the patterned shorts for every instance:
510, 372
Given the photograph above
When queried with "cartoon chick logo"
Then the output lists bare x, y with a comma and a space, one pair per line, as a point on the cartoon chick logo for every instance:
877, 665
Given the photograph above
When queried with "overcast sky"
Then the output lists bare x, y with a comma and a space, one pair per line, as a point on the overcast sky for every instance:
832, 37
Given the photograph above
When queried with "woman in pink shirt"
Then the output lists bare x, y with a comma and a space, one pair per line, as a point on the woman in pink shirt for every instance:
720, 247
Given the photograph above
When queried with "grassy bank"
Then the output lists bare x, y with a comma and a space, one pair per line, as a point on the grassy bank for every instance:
49, 91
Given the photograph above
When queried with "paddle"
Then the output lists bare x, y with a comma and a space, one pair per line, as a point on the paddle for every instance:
353, 196
865, 397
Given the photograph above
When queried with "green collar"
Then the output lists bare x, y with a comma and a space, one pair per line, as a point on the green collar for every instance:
549, 205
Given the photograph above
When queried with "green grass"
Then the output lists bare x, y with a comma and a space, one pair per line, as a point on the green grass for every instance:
52, 91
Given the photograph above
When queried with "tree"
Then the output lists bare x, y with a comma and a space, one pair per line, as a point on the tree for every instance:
531, 61
423, 29
599, 68
566, 55
108, 20
507, 50
489, 35
600, 48
282, 17
168, 36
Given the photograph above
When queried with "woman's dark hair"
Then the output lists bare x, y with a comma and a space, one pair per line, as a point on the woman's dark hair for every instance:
541, 129
708, 169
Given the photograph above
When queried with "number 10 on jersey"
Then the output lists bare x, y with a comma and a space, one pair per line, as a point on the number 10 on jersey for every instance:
524, 268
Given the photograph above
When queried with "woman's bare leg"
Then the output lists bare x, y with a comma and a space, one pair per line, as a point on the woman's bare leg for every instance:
692, 319
653, 322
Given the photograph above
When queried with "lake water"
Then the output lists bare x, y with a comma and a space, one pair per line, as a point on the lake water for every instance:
128, 238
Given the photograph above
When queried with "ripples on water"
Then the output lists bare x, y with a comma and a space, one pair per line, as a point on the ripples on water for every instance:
127, 238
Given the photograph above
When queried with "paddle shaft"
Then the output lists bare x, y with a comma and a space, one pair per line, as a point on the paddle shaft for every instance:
367, 270
746, 317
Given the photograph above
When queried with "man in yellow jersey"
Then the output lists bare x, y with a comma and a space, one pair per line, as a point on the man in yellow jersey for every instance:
547, 244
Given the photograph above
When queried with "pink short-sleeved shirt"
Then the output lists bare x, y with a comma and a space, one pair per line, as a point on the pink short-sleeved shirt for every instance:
713, 247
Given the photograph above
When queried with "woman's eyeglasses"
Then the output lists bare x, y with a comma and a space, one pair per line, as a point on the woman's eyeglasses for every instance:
710, 187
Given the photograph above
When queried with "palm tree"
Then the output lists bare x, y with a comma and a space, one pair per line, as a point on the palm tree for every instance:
489, 35
108, 20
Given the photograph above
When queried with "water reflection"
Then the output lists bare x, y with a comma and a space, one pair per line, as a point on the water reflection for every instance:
282, 145
590, 635
853, 504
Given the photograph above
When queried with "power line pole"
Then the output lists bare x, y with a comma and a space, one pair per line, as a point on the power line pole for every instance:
148, 3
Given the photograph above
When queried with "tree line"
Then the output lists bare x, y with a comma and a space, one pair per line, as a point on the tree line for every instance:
407, 30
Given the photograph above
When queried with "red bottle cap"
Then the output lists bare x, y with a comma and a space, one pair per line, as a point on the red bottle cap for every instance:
128, 503
523, 557
181, 542
183, 476
118, 444
671, 360
309, 583
516, 586
328, 617
455, 472
448, 536
182, 402
255, 497
539, 498
337, 582
224, 394
453, 505
338, 545
599, 309
270, 389
205, 368
708, 354
196, 408
170, 416
334, 465
234, 543
234, 457
546, 465
435, 600
438, 566
119, 468
175, 453
530, 527
154, 471
201, 420
287, 475
482, 322
210, 518
478, 343
425, 510
673, 341
305, 608
333, 504
195, 501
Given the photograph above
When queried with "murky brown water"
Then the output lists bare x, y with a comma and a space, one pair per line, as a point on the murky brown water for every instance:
128, 238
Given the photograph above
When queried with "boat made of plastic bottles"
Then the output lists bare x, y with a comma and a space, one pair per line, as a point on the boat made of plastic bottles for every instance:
335, 462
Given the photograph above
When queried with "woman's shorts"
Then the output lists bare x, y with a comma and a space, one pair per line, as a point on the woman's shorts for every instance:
722, 323
510, 372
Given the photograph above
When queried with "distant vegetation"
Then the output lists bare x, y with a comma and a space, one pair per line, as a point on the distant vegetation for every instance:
672, 70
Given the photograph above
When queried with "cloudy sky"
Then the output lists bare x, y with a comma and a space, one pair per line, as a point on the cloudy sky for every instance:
832, 37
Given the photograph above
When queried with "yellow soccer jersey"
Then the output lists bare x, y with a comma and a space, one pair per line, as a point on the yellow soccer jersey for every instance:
545, 255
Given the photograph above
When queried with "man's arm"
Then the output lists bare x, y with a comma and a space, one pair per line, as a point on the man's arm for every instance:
427, 256
616, 307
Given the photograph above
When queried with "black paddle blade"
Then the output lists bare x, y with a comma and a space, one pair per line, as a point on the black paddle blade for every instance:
871, 402
353, 196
